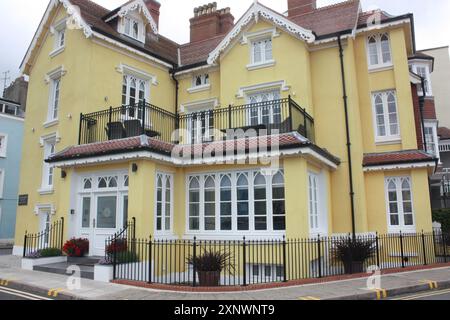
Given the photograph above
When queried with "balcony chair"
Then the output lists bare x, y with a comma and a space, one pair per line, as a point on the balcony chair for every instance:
133, 128
115, 131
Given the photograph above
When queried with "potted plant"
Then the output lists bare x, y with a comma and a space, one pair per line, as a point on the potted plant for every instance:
353, 253
209, 266
76, 247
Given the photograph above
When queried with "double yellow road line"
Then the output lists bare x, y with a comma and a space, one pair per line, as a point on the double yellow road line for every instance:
54, 292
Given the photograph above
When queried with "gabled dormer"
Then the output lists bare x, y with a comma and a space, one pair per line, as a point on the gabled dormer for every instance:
135, 19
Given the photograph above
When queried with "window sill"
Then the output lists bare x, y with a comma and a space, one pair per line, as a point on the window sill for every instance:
204, 87
390, 141
249, 235
380, 68
46, 191
165, 236
51, 123
256, 66
404, 231
57, 51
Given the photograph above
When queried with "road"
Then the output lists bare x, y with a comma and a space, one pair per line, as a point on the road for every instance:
8, 294
442, 295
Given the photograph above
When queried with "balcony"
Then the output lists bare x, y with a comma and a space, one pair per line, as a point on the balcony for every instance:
271, 117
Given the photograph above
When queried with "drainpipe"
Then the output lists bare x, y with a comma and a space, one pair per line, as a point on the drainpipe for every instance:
177, 87
349, 145
421, 107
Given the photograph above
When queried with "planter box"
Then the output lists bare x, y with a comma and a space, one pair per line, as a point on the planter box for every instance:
28, 264
103, 273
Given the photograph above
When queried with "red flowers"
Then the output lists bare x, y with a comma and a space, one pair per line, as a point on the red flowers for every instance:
76, 247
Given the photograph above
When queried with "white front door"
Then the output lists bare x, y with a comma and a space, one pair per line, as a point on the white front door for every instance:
103, 208
263, 110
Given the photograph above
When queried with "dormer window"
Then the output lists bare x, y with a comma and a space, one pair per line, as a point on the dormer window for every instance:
133, 28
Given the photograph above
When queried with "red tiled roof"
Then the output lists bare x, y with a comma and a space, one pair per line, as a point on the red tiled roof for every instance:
283, 141
330, 19
93, 13
195, 52
409, 156
444, 133
365, 17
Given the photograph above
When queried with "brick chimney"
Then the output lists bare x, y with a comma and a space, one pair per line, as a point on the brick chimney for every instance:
153, 6
298, 7
209, 22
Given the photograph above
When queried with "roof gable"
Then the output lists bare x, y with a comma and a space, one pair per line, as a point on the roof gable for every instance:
135, 5
253, 14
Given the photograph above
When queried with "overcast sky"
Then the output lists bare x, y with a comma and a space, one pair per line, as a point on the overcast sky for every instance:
19, 20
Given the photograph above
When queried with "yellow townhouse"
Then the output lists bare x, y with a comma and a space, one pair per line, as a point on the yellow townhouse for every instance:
274, 125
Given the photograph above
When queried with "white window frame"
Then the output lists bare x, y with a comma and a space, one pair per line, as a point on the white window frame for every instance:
59, 31
2, 182
426, 75
164, 176
275, 94
204, 85
131, 20
380, 63
47, 170
320, 226
4, 145
388, 137
435, 143
234, 232
266, 60
401, 227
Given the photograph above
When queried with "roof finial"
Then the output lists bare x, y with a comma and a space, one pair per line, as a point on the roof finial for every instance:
255, 1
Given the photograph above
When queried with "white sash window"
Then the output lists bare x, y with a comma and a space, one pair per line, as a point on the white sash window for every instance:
400, 204
379, 51
385, 116
262, 111
164, 195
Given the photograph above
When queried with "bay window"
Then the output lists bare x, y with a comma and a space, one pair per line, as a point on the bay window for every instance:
399, 204
236, 202
164, 183
431, 138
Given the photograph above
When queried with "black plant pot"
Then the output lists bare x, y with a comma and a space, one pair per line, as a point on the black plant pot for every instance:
352, 267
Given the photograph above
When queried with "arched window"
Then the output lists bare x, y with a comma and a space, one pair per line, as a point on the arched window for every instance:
112, 182
393, 203
379, 50
135, 29
225, 204
210, 204
373, 51
102, 183
278, 202
87, 184
168, 205
132, 92
385, 48
159, 204
242, 203
408, 217
268, 49
386, 118
260, 203
194, 204
126, 181
379, 109
141, 91
392, 113
124, 90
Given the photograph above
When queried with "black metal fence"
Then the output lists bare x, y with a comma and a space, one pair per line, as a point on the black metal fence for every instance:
125, 122
244, 262
50, 238
277, 116
119, 242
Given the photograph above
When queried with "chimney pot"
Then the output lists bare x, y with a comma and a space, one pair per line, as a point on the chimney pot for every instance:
209, 22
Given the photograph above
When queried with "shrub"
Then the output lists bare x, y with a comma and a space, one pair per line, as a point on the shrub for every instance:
353, 253
211, 261
50, 252
443, 217
76, 247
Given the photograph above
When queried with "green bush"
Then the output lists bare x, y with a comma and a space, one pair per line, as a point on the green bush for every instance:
125, 257
443, 217
50, 252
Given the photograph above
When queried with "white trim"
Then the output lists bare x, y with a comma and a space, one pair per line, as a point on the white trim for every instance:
56, 73
47, 206
261, 65
57, 51
204, 87
50, 136
126, 69
380, 65
11, 117
4, 147
253, 14
199, 105
399, 196
139, 5
415, 64
248, 37
388, 137
243, 91
124, 46
210, 68
74, 17
390, 167
2, 185
190, 162
164, 233
381, 26
433, 124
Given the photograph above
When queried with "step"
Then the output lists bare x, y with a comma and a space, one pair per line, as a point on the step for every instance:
84, 261
87, 272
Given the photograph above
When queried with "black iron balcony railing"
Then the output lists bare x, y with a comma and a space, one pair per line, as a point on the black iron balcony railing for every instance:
270, 117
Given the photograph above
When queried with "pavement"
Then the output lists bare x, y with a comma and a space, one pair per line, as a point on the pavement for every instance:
64, 287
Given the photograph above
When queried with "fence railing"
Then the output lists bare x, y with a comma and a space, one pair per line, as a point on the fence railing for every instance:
120, 240
50, 238
247, 262
277, 116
